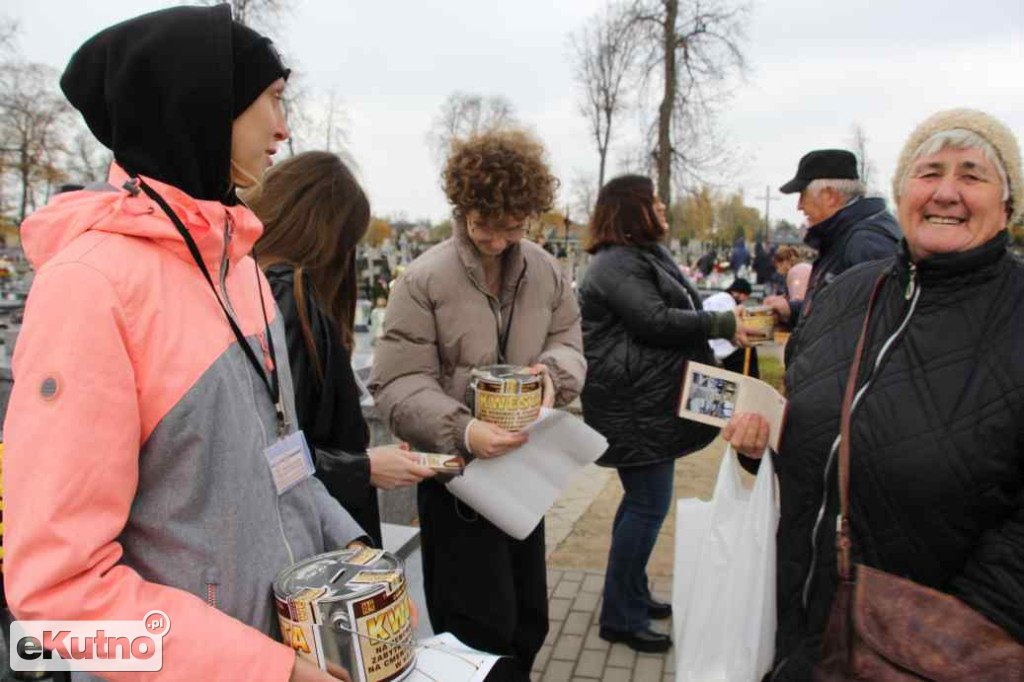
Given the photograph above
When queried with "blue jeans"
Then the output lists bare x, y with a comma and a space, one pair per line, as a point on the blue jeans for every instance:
648, 494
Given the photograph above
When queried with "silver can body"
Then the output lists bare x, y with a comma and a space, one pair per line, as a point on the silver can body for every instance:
349, 608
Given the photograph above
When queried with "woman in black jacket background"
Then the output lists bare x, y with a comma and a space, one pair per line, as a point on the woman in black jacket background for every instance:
642, 321
314, 214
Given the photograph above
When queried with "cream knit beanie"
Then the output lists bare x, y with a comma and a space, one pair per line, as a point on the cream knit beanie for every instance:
982, 124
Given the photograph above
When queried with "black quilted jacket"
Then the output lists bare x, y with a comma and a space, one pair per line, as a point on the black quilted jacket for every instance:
642, 320
937, 466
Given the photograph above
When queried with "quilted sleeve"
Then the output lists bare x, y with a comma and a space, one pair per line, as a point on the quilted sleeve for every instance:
992, 581
631, 293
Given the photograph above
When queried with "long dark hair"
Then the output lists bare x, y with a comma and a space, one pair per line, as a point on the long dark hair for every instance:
314, 214
624, 214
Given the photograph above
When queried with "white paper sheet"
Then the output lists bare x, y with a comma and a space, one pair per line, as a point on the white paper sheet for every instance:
443, 658
515, 491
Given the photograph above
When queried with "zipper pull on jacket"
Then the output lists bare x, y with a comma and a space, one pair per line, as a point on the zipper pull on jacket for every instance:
912, 284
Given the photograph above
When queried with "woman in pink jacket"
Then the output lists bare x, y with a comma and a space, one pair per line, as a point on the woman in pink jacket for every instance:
147, 390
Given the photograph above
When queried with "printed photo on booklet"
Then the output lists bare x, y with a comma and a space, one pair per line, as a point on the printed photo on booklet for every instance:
712, 395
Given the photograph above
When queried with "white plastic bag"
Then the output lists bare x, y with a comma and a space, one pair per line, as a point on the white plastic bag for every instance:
723, 592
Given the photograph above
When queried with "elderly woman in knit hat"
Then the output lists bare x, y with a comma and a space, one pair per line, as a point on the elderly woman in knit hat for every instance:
936, 463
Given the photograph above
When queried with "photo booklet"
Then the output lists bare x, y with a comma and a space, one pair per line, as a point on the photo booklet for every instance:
712, 395
444, 466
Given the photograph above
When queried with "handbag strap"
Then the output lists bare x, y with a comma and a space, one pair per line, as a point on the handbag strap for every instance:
844, 543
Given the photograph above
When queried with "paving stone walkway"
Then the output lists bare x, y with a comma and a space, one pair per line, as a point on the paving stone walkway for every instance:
573, 652
573, 503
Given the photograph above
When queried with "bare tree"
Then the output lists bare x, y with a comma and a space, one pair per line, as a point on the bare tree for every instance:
8, 34
297, 100
87, 160
583, 196
266, 14
604, 52
638, 159
689, 49
335, 124
464, 114
32, 114
315, 122
8, 52
859, 144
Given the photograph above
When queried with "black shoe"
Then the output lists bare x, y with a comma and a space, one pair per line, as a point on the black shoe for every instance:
646, 641
658, 610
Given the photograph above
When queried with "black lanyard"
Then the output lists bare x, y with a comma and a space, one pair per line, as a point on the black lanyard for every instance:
271, 382
503, 337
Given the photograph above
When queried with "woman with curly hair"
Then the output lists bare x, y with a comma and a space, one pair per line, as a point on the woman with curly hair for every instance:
482, 297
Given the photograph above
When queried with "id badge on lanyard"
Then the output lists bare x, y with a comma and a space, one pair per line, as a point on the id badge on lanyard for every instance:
290, 461
289, 458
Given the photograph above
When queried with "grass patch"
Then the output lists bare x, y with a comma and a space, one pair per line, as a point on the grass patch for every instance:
772, 372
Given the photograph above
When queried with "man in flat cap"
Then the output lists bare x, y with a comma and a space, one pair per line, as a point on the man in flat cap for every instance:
845, 227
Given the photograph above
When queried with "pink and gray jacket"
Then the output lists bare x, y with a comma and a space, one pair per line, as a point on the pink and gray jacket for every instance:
134, 471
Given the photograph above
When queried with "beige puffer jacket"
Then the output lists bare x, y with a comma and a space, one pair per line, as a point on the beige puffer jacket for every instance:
441, 323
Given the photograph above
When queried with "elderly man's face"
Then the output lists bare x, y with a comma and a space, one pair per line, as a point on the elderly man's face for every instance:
951, 201
820, 205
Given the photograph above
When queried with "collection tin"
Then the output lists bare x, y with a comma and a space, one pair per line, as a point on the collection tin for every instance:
349, 608
506, 395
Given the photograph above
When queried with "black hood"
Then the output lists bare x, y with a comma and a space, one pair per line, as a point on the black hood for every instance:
158, 91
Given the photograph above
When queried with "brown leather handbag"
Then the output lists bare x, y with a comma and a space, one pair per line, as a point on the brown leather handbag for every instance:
883, 627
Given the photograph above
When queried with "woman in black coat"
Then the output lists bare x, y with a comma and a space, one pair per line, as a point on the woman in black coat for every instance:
314, 214
936, 484
642, 321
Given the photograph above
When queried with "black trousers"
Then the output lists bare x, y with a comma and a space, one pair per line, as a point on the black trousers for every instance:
483, 586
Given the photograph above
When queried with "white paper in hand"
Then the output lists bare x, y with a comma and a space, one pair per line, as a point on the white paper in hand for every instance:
443, 658
514, 491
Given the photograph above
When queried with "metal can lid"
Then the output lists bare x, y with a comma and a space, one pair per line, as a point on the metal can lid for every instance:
504, 372
334, 570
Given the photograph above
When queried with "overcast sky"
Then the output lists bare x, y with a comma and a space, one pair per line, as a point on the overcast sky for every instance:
815, 70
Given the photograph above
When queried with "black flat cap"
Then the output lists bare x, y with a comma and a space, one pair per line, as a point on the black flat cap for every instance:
822, 164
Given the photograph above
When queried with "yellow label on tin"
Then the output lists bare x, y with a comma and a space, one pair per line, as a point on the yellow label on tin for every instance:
298, 617
384, 624
511, 411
